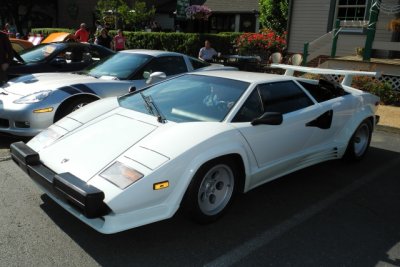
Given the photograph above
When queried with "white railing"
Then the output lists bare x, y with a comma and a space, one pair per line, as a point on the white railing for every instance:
320, 46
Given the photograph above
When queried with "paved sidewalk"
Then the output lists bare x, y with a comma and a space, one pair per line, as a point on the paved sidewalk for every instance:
390, 118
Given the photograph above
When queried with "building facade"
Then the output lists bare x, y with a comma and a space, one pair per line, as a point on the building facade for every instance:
227, 15
312, 21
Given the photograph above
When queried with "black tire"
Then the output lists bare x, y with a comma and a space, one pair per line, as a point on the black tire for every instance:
73, 105
359, 142
211, 191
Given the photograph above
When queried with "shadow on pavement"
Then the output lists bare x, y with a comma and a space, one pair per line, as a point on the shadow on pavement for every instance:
359, 229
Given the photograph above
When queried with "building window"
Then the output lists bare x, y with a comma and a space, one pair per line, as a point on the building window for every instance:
222, 23
352, 10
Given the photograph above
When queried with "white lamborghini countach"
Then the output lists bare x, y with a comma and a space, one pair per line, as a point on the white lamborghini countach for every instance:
193, 142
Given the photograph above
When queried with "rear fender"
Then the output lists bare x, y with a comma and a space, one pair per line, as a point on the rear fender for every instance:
366, 112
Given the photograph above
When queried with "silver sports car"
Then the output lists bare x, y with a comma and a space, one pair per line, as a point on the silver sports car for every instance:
31, 103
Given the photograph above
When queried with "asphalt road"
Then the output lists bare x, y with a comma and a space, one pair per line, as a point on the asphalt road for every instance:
332, 214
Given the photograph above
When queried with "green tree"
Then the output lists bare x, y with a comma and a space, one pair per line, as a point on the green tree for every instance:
136, 15
274, 14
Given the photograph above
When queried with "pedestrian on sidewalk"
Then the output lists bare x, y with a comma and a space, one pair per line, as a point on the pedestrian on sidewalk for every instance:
119, 41
82, 34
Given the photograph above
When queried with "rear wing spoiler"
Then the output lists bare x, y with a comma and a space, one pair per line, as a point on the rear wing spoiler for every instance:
348, 74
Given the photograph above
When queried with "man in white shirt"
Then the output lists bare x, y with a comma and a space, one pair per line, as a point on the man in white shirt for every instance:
207, 53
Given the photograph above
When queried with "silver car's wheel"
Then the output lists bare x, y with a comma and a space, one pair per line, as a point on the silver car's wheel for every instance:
78, 106
72, 106
359, 142
211, 191
216, 189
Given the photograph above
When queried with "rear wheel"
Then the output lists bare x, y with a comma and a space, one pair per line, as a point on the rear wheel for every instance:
211, 191
359, 142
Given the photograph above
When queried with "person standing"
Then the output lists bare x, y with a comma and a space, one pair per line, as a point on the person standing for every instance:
82, 35
119, 41
207, 53
6, 56
98, 26
104, 39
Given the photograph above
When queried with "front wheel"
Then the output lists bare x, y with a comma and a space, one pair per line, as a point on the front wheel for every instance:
211, 191
359, 142
73, 105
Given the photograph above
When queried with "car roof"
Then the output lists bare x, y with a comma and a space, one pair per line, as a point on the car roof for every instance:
154, 53
245, 76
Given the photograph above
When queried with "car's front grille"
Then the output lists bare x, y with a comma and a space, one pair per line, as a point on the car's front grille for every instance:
4, 123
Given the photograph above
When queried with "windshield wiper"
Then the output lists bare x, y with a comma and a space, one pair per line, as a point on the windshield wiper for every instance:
152, 108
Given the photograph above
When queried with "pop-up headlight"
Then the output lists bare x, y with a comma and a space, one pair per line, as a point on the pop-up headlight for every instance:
121, 175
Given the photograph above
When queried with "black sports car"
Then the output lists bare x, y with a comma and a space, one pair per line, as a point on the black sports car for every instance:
57, 57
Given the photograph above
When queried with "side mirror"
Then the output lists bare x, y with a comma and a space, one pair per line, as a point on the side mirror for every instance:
155, 77
132, 89
269, 118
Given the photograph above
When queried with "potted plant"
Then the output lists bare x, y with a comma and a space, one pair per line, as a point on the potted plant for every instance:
360, 51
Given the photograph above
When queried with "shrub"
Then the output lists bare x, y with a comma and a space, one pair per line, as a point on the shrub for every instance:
263, 44
384, 90
187, 43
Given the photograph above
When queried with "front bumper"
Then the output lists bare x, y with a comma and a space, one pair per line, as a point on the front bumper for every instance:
87, 199
20, 120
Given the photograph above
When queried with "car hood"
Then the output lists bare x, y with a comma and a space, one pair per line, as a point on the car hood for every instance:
31, 83
124, 133
85, 151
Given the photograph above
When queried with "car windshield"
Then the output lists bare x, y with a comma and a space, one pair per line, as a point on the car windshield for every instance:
121, 65
188, 98
39, 53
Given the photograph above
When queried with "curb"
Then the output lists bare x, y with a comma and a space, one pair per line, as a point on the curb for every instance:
385, 128
5, 158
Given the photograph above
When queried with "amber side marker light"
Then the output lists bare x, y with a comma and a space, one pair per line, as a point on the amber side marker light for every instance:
43, 110
160, 185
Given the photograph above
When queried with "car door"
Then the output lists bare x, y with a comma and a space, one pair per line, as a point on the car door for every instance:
278, 149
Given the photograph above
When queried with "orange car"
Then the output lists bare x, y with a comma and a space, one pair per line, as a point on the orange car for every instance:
20, 44
59, 37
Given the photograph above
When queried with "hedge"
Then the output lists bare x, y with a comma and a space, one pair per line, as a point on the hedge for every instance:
187, 43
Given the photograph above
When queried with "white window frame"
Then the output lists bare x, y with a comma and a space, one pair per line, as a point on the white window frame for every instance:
356, 29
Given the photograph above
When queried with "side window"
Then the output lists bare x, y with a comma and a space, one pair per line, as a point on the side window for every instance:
92, 54
283, 97
170, 65
197, 64
251, 109
323, 90
72, 54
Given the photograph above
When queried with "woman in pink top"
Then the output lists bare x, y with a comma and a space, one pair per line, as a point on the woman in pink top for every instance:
119, 41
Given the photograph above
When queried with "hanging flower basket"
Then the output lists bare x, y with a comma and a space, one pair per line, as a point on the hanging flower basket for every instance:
199, 12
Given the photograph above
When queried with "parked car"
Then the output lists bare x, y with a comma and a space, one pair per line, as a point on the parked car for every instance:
31, 103
57, 57
193, 141
19, 44
59, 37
